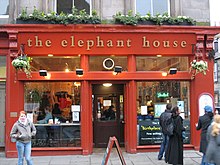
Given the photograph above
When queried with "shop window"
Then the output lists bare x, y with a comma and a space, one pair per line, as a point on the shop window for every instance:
54, 108
67, 5
152, 6
152, 97
2, 67
107, 63
150, 63
4, 8
60, 63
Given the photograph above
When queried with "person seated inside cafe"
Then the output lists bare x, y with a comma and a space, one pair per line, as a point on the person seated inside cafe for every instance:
56, 112
109, 114
41, 130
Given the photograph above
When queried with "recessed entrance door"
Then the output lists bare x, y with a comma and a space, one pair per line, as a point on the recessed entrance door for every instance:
108, 114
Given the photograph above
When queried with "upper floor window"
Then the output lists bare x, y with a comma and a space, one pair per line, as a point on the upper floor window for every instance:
4, 7
67, 5
152, 6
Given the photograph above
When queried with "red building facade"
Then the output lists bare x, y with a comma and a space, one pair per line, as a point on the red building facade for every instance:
138, 91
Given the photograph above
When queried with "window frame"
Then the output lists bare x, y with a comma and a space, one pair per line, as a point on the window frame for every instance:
90, 9
5, 16
151, 12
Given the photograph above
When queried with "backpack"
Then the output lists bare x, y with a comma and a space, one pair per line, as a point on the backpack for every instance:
168, 125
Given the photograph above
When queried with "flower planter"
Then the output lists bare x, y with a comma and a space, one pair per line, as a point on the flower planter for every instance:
147, 22
185, 23
19, 21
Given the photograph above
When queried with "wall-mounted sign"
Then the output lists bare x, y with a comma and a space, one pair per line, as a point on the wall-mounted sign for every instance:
107, 103
162, 94
205, 99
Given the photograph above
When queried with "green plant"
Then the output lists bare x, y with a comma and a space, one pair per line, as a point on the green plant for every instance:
198, 67
22, 63
128, 19
76, 17
181, 19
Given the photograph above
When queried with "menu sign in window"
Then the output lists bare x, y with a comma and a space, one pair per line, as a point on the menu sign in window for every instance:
150, 132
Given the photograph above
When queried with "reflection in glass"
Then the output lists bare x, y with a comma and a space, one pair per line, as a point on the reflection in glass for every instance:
54, 107
55, 63
151, 63
152, 97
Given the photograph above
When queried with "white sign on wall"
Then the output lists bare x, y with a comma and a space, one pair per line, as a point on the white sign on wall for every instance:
204, 100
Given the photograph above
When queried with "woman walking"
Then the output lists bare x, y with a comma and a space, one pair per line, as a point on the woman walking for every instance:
174, 153
213, 138
22, 131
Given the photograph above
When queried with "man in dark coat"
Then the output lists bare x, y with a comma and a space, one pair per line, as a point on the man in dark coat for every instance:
203, 124
165, 141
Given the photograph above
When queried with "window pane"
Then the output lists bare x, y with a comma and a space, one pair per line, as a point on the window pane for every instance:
152, 97
143, 6
56, 63
2, 66
96, 63
82, 4
54, 107
160, 6
4, 5
64, 6
161, 63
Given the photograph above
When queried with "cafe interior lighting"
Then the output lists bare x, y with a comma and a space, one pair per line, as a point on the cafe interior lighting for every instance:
67, 68
107, 84
164, 74
79, 72
48, 76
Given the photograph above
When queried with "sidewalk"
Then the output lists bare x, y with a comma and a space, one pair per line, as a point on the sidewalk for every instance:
191, 157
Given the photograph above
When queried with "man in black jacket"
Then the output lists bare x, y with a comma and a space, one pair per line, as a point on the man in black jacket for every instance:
203, 124
165, 115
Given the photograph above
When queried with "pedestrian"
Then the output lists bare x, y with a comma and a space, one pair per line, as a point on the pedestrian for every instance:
203, 124
213, 139
22, 130
165, 137
174, 152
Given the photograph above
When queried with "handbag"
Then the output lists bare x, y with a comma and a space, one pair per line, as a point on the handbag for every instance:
13, 140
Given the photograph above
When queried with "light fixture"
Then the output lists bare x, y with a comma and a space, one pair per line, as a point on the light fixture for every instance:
79, 72
67, 68
117, 69
50, 55
107, 84
172, 70
43, 72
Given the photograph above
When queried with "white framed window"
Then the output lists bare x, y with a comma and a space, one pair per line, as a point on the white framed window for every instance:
67, 5
4, 8
152, 6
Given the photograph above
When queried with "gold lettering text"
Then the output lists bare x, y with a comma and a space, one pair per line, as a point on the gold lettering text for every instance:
48, 43
38, 42
183, 44
64, 43
146, 43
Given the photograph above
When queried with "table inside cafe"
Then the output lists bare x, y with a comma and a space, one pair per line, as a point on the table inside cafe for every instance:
57, 135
